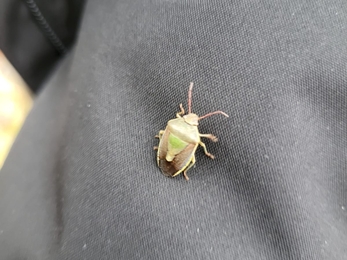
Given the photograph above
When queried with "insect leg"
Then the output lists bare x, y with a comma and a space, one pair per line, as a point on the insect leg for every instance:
182, 111
205, 150
190, 165
161, 132
210, 136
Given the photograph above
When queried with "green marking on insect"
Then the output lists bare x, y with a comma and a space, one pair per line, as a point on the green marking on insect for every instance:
176, 143
180, 139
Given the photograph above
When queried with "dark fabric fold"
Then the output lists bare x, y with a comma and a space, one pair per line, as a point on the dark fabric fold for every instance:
81, 181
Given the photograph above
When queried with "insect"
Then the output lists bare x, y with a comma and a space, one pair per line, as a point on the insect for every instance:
180, 139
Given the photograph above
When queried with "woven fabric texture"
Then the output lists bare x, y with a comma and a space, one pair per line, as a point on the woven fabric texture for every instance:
81, 181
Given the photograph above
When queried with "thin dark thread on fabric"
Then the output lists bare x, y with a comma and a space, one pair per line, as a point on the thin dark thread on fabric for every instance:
45, 27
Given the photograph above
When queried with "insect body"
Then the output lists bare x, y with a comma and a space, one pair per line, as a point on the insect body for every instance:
179, 141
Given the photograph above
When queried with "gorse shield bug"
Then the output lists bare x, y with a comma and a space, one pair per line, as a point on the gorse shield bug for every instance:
179, 141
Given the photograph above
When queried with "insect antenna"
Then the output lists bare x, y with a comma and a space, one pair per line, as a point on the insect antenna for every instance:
190, 97
213, 113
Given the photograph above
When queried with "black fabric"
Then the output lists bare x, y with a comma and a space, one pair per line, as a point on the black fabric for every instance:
81, 181
25, 35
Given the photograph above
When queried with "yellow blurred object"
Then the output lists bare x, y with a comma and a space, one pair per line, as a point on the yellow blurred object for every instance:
15, 103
